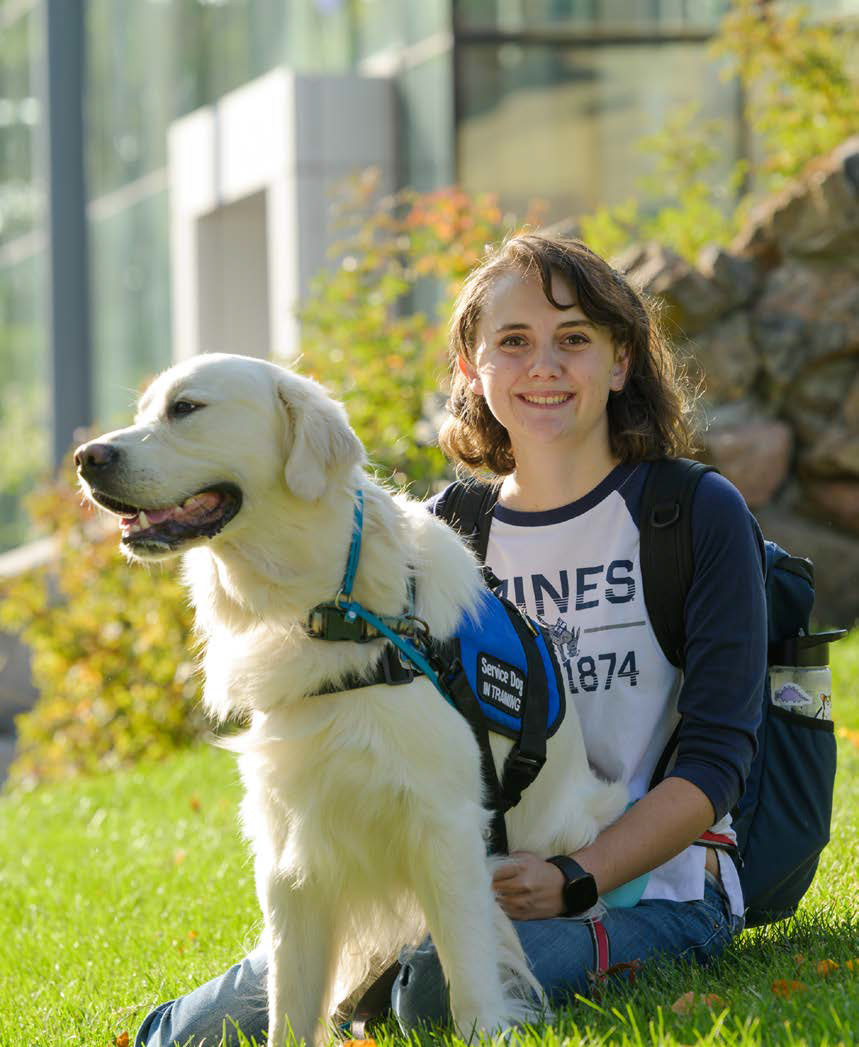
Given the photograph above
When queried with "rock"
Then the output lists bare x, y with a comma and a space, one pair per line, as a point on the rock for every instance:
834, 456
739, 279
754, 455
806, 313
835, 557
725, 359
690, 300
835, 502
817, 214
817, 397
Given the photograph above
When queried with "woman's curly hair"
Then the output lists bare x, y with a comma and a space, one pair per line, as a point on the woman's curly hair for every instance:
649, 418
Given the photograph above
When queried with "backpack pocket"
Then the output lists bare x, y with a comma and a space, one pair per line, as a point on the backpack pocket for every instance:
789, 826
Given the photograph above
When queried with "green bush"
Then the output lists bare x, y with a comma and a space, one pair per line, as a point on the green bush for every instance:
801, 100
111, 645
375, 327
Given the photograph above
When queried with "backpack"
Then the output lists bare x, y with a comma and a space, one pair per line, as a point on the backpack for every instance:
782, 819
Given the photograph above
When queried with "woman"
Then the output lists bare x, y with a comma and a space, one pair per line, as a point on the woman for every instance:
563, 389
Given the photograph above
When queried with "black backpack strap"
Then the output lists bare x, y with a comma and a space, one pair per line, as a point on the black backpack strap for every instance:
467, 506
666, 548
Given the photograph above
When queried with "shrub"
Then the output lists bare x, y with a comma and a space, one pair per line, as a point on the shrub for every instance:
801, 100
375, 327
111, 650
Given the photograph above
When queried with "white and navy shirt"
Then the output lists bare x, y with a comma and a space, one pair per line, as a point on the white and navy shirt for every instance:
577, 569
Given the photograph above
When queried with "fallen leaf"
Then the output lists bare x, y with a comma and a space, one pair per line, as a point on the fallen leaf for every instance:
195, 803
798, 959
359, 1043
121, 1040
192, 935
853, 965
826, 967
686, 1003
785, 987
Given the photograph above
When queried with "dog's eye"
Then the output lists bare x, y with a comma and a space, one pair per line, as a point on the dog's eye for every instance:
182, 407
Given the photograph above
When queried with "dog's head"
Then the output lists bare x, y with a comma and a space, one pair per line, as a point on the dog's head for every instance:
216, 441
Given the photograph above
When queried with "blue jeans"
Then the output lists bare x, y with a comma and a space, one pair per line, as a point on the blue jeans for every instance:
561, 952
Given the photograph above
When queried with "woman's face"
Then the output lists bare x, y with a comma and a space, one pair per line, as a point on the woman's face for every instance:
545, 373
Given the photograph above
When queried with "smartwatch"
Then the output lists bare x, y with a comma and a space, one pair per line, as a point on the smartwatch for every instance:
580, 890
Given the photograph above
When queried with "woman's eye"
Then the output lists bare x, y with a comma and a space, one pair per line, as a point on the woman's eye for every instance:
575, 340
513, 341
183, 407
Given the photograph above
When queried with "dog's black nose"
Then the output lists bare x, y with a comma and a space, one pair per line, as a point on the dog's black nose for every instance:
94, 456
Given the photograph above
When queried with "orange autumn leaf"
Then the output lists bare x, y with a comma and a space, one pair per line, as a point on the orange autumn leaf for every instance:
195, 804
786, 987
359, 1043
853, 965
826, 967
121, 1040
192, 935
686, 1003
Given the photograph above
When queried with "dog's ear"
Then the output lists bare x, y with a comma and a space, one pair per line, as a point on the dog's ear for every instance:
320, 440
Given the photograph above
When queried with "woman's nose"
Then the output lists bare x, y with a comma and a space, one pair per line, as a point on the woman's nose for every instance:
545, 362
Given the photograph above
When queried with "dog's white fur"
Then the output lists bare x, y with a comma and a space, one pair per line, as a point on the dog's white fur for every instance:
364, 807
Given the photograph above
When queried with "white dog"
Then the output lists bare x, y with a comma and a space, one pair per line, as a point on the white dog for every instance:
364, 806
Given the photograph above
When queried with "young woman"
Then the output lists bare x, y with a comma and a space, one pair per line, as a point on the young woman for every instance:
563, 389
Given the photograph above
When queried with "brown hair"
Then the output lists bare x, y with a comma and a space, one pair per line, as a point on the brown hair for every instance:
648, 418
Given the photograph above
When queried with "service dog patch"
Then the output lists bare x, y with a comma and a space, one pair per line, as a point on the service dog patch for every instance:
500, 684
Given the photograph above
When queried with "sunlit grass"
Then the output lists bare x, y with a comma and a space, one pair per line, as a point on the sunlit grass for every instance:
122, 891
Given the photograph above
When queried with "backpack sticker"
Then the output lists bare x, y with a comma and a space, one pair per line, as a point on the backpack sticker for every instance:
500, 684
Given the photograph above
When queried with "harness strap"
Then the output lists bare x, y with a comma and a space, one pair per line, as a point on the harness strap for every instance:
466, 704
525, 760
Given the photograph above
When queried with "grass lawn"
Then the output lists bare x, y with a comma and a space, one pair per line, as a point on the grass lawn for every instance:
121, 891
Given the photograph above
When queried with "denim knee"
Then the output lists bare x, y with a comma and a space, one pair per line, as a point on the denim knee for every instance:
420, 995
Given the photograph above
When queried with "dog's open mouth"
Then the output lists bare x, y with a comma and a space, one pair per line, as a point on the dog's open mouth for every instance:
202, 515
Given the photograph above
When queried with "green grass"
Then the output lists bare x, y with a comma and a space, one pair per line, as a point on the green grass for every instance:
121, 891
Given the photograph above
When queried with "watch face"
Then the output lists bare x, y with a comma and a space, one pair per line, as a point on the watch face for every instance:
580, 894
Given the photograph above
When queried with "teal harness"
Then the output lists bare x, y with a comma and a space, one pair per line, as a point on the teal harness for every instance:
498, 670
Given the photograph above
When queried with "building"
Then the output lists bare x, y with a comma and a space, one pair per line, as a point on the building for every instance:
522, 97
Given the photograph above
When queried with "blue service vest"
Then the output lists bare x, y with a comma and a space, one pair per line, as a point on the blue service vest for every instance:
495, 662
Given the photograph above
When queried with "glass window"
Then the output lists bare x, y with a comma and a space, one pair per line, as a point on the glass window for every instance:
24, 408
534, 15
20, 200
426, 123
131, 336
561, 123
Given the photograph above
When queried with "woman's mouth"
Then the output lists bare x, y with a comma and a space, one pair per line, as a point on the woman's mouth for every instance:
545, 399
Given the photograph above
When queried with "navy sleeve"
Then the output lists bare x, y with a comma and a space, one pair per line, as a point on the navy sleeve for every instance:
726, 638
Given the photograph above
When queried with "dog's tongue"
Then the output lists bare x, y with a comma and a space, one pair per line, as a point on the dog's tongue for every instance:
197, 505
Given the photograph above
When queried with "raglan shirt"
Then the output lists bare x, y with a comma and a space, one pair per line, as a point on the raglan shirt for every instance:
577, 569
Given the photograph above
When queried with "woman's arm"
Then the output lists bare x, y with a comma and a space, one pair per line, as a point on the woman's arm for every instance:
663, 823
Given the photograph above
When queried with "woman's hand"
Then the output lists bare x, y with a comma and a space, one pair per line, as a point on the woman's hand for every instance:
528, 887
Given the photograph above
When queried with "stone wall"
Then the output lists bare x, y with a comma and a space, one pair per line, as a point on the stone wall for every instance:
771, 328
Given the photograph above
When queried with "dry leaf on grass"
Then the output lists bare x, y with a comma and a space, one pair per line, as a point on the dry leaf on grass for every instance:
853, 965
121, 1040
786, 987
358, 1043
798, 959
687, 1003
826, 967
